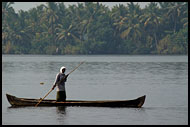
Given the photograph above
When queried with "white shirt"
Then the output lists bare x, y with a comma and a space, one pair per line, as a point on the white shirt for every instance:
61, 86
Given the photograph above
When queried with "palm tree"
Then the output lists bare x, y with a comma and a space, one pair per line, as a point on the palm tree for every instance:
35, 19
174, 13
22, 33
118, 11
66, 34
52, 18
184, 15
8, 15
151, 21
92, 10
118, 15
7, 9
129, 26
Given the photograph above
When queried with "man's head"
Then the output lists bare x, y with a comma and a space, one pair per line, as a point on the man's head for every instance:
62, 70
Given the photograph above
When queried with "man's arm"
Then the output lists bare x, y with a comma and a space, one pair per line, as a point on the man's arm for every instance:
66, 77
56, 80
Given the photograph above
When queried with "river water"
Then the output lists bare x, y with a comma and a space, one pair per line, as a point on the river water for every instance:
163, 79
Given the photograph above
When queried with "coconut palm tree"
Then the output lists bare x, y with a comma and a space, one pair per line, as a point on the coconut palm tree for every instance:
174, 14
129, 25
52, 18
8, 15
151, 21
67, 34
7, 9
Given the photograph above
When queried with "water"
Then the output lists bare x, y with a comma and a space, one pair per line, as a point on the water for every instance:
163, 79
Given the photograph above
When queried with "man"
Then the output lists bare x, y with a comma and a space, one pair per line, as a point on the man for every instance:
61, 93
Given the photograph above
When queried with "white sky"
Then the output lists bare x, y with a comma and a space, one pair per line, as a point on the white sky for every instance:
28, 5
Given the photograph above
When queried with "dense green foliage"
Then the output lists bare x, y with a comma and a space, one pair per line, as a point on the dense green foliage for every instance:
93, 28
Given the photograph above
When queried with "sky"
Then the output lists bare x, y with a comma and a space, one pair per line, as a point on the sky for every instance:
28, 5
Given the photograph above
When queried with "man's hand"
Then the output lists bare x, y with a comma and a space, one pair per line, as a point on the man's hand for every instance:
53, 87
66, 76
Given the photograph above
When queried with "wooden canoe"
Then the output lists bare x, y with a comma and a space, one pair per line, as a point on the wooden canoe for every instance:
136, 103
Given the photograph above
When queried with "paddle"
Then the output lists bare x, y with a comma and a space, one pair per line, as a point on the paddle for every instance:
58, 84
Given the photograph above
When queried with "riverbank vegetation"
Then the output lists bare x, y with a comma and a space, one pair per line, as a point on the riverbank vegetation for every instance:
93, 28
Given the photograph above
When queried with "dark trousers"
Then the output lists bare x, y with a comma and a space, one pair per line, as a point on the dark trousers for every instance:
61, 96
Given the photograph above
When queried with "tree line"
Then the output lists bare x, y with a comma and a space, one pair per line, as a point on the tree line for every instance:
93, 28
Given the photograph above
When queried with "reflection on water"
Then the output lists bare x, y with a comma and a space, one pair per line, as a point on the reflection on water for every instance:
61, 110
61, 114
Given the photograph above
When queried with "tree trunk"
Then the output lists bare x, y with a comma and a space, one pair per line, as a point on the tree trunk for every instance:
155, 38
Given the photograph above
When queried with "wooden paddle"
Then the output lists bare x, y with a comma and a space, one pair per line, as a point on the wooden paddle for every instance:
58, 84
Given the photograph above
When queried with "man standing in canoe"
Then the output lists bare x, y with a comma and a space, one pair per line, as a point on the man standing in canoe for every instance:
61, 93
